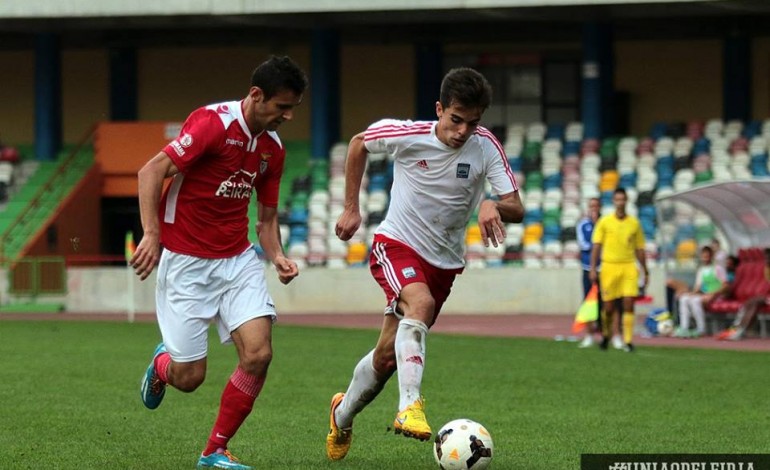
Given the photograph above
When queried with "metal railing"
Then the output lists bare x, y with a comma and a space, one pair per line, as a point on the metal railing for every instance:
15, 229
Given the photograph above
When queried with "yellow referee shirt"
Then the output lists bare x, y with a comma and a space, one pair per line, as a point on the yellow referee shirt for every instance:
620, 238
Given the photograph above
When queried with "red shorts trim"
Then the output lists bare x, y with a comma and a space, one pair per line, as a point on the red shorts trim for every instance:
395, 265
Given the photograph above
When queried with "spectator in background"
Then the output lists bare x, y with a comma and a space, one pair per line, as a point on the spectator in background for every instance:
585, 230
710, 281
720, 255
749, 310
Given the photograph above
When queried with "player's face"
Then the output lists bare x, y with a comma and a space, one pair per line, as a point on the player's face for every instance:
705, 257
270, 114
456, 123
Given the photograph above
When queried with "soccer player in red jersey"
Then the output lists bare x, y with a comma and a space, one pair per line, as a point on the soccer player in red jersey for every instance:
439, 177
208, 271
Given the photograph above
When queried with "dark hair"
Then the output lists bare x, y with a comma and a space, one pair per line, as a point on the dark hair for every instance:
466, 87
277, 74
708, 249
620, 191
736, 261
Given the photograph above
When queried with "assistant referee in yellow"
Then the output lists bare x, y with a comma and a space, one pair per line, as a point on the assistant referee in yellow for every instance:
619, 238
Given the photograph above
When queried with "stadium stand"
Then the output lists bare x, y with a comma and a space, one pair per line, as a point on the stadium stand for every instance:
34, 192
557, 171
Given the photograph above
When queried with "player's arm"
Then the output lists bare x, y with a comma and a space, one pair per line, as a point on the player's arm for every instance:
270, 240
595, 250
350, 219
151, 178
642, 257
493, 215
597, 238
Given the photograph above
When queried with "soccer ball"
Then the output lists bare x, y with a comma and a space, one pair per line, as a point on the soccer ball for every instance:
463, 444
666, 327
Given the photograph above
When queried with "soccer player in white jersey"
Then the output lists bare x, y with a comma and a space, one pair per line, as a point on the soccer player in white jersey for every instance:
208, 270
439, 177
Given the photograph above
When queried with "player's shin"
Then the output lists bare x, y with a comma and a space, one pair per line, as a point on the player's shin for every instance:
606, 323
410, 359
237, 401
628, 327
363, 388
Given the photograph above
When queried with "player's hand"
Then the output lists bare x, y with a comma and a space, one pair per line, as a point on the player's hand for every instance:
646, 279
146, 256
287, 269
491, 224
592, 276
348, 224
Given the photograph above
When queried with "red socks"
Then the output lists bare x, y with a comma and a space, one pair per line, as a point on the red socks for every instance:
236, 404
162, 361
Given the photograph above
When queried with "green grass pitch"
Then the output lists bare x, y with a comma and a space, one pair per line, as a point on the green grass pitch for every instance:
70, 400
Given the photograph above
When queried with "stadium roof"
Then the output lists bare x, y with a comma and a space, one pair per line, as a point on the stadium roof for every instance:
57, 14
741, 209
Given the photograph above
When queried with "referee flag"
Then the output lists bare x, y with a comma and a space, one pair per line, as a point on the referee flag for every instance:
130, 245
588, 311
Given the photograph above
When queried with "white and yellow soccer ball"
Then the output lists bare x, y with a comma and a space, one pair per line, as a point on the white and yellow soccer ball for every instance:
463, 444
666, 327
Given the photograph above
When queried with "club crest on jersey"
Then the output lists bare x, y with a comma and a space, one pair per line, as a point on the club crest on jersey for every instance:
409, 272
186, 140
237, 186
263, 164
463, 170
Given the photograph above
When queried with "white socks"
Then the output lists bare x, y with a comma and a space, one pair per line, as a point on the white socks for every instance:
365, 385
363, 388
410, 359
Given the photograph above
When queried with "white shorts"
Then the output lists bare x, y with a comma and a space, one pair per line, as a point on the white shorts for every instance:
192, 292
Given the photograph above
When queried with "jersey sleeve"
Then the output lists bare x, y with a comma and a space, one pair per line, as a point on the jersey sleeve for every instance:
698, 280
721, 273
598, 235
639, 236
267, 192
583, 233
498, 170
386, 136
200, 134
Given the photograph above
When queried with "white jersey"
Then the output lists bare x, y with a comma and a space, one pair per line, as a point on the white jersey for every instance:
436, 187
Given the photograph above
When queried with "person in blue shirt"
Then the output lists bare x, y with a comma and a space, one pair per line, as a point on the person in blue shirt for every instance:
584, 230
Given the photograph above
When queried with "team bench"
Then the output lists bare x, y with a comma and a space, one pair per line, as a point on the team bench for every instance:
749, 282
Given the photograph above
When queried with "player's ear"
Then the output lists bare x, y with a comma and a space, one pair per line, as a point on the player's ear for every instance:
439, 109
256, 94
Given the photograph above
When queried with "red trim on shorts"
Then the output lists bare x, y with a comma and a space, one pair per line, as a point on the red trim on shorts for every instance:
394, 265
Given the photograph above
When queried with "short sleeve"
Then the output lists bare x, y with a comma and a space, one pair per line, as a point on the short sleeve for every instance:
268, 190
498, 169
639, 236
598, 235
385, 136
200, 135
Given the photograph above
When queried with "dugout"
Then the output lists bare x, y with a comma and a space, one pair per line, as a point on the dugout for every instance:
739, 208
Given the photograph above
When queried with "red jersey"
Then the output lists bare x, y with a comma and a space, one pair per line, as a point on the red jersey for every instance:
204, 211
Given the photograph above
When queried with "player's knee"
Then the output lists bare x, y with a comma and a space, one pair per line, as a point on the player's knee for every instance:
189, 381
256, 361
421, 307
